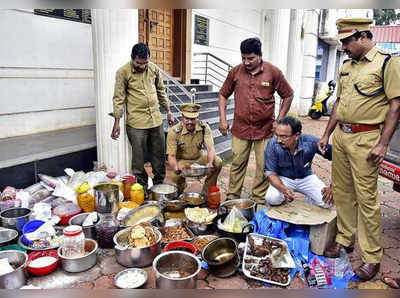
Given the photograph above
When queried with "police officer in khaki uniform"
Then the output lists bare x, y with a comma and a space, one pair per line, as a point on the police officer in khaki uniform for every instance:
366, 110
184, 146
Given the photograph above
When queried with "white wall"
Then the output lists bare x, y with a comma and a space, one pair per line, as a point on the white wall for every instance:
46, 73
228, 28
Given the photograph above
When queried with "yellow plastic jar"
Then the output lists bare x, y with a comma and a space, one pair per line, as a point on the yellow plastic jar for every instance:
137, 193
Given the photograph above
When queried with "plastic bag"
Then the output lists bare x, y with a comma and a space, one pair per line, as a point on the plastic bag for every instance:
234, 222
9, 193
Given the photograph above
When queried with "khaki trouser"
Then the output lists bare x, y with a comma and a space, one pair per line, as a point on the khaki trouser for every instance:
354, 182
241, 151
211, 180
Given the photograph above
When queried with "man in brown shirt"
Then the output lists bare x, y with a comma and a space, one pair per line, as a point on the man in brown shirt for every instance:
254, 83
140, 90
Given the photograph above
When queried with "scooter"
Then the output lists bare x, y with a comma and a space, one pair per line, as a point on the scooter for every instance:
319, 107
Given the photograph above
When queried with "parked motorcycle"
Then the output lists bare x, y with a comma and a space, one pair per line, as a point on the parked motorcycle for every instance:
319, 108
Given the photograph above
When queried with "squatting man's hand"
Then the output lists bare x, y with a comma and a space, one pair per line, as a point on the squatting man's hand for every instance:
322, 144
288, 195
327, 196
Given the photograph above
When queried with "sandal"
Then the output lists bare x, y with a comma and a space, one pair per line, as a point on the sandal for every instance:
391, 281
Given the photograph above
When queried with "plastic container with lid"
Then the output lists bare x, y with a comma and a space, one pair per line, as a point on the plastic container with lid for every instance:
65, 211
85, 199
213, 197
106, 229
137, 193
73, 242
128, 181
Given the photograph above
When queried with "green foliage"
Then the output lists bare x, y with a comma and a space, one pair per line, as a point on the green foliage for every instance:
386, 16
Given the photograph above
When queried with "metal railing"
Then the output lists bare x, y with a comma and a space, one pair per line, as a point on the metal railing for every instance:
212, 69
177, 84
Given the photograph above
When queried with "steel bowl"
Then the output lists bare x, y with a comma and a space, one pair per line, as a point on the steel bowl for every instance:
8, 236
221, 255
196, 172
80, 264
135, 257
119, 276
174, 205
151, 213
199, 228
170, 266
162, 192
246, 206
15, 218
89, 231
193, 198
18, 277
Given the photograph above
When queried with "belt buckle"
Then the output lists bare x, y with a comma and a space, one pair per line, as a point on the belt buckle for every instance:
346, 127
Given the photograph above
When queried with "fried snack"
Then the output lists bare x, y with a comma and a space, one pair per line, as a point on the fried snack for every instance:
142, 235
173, 233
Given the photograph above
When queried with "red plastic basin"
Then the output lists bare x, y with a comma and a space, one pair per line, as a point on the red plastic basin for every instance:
42, 270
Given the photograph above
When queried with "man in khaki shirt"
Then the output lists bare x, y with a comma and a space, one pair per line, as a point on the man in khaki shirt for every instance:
184, 147
140, 90
367, 110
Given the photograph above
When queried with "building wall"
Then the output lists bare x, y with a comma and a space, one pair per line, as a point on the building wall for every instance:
46, 73
227, 29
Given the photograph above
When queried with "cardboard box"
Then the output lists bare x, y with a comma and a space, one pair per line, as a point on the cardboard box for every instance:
322, 222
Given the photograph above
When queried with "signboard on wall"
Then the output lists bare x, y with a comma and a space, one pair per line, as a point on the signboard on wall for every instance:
77, 15
201, 30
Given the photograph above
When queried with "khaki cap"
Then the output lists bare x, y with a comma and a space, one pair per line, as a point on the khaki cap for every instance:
190, 110
348, 26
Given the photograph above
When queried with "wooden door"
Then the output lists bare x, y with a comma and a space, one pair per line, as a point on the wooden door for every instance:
156, 30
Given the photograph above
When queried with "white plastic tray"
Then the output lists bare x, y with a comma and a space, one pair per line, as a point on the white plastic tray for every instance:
247, 272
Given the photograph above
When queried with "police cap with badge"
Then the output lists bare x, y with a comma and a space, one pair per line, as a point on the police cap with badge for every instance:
190, 110
349, 26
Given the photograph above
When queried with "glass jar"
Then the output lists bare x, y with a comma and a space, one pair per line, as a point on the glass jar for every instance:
73, 242
213, 197
106, 229
128, 181
137, 193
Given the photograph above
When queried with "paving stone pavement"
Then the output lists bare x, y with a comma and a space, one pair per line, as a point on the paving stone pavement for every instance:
101, 276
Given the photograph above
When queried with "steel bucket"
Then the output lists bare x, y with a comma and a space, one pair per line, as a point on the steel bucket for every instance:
106, 197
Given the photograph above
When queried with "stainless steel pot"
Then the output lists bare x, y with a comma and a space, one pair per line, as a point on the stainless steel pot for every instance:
106, 196
221, 256
246, 206
170, 266
15, 218
151, 213
161, 192
135, 257
82, 263
89, 231
17, 278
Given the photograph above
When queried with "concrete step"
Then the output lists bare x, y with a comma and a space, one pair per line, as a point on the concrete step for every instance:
199, 95
224, 149
188, 87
